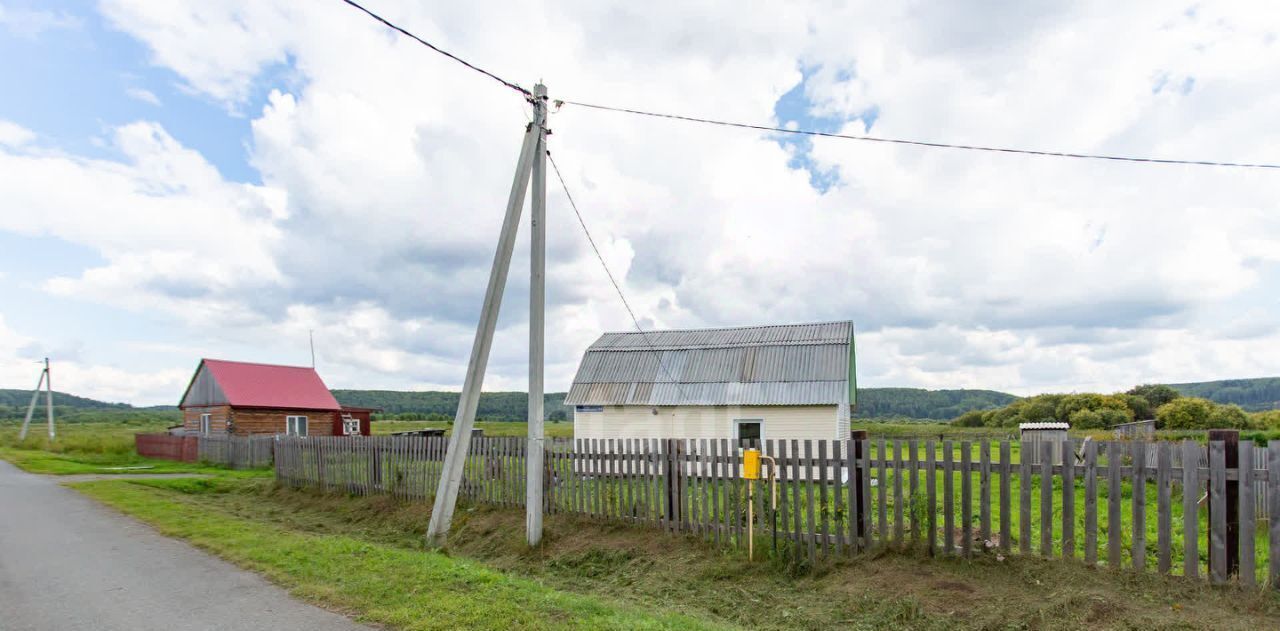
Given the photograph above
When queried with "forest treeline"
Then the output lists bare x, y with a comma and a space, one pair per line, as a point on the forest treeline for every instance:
1250, 395
917, 403
1253, 395
1167, 406
441, 406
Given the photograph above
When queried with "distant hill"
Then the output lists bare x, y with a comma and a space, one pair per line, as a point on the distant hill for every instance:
69, 408
941, 405
916, 403
513, 406
1254, 395
22, 398
494, 406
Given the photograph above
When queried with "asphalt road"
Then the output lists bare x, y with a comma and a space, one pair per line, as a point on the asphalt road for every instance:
68, 563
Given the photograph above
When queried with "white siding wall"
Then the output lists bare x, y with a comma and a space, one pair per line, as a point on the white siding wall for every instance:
819, 422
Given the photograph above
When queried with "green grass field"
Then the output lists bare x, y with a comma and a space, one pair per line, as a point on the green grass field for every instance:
80, 448
364, 556
562, 429
491, 475
385, 584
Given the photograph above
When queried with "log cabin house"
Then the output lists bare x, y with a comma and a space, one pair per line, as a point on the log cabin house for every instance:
242, 398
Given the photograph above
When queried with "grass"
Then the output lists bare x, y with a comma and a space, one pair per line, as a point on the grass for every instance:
38, 461
563, 429
97, 448
494, 471
375, 581
364, 555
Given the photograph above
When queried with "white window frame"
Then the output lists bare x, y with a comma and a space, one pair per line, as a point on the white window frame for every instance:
206, 423
351, 426
737, 429
295, 425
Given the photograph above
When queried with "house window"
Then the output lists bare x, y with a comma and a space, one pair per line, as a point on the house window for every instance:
205, 422
295, 425
351, 426
749, 431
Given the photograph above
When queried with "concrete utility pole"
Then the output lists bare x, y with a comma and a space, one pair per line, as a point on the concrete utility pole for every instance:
537, 305
46, 380
460, 441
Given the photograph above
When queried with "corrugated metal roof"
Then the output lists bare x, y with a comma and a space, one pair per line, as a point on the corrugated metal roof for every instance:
243, 384
1047, 425
795, 364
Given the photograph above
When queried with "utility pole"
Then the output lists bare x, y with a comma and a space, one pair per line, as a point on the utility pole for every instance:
311, 337
460, 441
46, 380
537, 326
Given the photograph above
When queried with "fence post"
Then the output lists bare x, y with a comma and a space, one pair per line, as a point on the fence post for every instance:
377, 462
1231, 504
674, 482
856, 438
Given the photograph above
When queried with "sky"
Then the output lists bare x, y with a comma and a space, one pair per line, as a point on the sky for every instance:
218, 179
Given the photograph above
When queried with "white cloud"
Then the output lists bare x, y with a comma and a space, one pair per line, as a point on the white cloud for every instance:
175, 235
144, 95
385, 169
14, 135
21, 355
30, 23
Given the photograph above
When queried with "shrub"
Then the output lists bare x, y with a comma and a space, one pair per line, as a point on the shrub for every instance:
1155, 394
1112, 417
1095, 402
972, 418
1086, 419
1184, 413
1228, 417
1269, 420
1138, 405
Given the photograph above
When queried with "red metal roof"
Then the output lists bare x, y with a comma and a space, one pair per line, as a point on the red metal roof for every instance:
270, 386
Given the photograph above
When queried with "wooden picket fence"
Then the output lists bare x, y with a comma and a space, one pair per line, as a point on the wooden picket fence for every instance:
237, 452
842, 497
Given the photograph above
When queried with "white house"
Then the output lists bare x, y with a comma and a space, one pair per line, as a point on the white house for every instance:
793, 381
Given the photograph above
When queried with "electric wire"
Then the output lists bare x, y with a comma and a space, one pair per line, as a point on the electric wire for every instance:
402, 31
616, 287
810, 132
921, 143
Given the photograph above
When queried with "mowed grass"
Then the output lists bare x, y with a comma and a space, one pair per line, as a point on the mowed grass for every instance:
84, 448
365, 555
374, 581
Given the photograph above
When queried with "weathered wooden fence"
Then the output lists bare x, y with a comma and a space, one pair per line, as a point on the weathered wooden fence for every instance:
237, 452
167, 446
1107, 505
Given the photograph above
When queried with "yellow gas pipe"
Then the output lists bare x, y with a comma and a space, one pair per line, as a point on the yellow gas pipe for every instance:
751, 460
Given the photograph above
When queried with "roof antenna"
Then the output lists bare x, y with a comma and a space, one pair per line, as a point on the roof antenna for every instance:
311, 335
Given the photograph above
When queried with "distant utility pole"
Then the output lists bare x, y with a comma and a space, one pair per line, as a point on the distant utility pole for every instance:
311, 337
47, 381
531, 161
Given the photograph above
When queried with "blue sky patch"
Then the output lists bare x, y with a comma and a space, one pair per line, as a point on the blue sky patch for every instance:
795, 108
80, 81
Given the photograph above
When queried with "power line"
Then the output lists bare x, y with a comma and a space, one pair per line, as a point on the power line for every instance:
616, 287
809, 132
446, 53
921, 143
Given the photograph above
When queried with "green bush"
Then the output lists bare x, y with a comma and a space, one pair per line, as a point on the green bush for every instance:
1185, 413
1155, 394
1139, 406
1086, 419
1228, 417
1269, 420
974, 418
